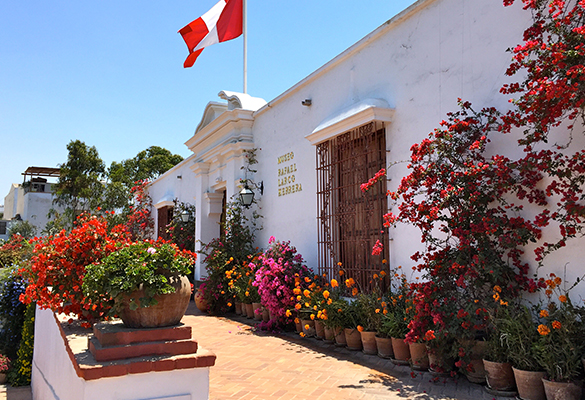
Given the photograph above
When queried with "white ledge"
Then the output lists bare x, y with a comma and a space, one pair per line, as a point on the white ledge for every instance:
356, 115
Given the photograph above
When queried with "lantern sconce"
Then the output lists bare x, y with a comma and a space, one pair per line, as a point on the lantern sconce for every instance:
247, 194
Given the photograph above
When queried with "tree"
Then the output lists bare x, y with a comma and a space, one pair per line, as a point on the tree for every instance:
80, 186
148, 165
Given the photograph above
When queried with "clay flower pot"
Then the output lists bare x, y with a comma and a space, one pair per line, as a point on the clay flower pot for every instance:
353, 339
249, 310
168, 311
329, 335
529, 384
561, 390
238, 306
339, 336
401, 351
369, 342
499, 376
257, 308
384, 346
319, 329
200, 301
418, 356
308, 327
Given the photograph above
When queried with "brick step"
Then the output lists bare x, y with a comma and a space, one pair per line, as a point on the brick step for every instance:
125, 351
114, 333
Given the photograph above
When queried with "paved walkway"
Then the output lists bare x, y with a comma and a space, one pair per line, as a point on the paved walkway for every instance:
256, 365
259, 365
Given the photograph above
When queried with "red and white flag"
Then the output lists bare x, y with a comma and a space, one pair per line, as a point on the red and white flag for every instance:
223, 22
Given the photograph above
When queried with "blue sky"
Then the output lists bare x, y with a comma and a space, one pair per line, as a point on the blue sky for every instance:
110, 73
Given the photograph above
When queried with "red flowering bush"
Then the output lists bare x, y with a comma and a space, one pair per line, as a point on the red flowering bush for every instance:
140, 223
57, 268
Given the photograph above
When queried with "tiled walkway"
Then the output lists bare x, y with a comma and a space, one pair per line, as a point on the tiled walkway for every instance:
259, 365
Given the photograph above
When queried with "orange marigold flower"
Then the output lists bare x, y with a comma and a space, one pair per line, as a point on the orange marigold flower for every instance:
297, 290
312, 317
383, 304
307, 327
329, 301
377, 311
306, 293
299, 298
360, 328
562, 298
297, 320
556, 325
384, 261
558, 281
298, 306
543, 313
229, 304
302, 334
382, 273
326, 294
354, 291
307, 305
307, 279
548, 292
340, 271
334, 283
498, 289
288, 313
385, 311
543, 330
375, 276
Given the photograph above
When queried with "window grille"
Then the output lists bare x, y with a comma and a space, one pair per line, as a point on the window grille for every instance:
349, 220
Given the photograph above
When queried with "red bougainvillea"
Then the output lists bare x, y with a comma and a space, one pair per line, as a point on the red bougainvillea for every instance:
57, 267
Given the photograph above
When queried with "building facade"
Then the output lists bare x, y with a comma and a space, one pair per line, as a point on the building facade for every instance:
332, 131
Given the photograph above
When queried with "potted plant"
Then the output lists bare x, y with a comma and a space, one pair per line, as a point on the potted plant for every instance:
560, 347
145, 282
519, 327
498, 368
369, 317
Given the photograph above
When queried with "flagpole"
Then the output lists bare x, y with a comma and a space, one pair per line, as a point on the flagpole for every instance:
245, 29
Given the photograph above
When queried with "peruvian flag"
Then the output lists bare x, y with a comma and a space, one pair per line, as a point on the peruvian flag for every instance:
223, 22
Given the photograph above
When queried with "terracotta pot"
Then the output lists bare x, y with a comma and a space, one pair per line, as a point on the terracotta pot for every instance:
238, 308
265, 315
353, 339
200, 301
257, 308
308, 327
319, 329
339, 336
2, 378
369, 342
401, 350
298, 326
418, 356
477, 373
168, 311
439, 364
249, 310
329, 335
384, 346
529, 384
499, 376
561, 390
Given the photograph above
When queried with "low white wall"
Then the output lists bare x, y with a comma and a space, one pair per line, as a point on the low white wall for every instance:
54, 377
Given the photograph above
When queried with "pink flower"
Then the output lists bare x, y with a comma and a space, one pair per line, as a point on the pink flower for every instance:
151, 250
271, 240
377, 249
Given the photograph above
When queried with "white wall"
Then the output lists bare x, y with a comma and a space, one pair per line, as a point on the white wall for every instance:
420, 66
54, 377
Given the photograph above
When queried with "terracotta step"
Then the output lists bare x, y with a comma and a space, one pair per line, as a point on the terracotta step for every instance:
125, 351
113, 333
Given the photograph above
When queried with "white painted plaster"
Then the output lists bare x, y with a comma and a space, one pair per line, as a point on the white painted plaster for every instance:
54, 377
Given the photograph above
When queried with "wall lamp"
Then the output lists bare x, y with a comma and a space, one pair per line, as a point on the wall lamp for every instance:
247, 194
307, 102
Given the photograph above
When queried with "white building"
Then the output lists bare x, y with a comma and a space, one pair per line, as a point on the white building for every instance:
31, 200
334, 129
